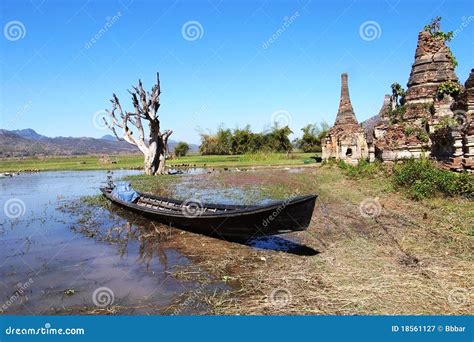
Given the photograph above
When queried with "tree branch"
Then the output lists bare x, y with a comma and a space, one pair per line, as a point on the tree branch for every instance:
165, 137
112, 128
155, 98
146, 105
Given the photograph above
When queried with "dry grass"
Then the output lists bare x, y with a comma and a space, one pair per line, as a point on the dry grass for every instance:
406, 261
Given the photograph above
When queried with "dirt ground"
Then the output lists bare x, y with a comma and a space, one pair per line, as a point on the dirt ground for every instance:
368, 250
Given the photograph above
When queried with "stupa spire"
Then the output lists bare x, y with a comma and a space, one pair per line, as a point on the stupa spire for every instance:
345, 114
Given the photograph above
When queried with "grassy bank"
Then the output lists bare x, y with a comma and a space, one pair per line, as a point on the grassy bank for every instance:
136, 162
418, 178
404, 257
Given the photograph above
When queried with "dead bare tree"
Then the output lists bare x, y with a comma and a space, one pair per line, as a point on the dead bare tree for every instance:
146, 106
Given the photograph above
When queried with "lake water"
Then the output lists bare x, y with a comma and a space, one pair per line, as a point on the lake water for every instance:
49, 265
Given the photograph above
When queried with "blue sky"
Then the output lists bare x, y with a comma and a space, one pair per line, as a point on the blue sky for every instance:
55, 79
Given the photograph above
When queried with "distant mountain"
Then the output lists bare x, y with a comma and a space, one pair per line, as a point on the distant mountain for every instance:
12, 144
108, 137
27, 142
28, 133
171, 143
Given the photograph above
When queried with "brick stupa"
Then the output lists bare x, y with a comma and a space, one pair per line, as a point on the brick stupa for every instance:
346, 139
345, 113
433, 65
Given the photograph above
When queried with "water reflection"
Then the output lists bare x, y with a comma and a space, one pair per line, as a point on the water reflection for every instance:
283, 243
69, 249
68, 254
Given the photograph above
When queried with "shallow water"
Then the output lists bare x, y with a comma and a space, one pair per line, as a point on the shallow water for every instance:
47, 267
57, 252
192, 188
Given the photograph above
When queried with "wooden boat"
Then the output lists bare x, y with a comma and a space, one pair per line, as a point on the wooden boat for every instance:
225, 221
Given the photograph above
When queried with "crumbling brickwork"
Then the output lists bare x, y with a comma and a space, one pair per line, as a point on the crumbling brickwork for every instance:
346, 139
429, 122
426, 124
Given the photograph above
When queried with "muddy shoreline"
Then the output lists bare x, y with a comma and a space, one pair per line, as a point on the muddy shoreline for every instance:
412, 258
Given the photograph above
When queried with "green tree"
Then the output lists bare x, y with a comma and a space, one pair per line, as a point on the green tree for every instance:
208, 144
224, 141
277, 140
434, 28
241, 141
398, 94
181, 149
310, 141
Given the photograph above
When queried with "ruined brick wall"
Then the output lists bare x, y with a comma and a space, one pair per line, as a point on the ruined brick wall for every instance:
409, 136
433, 65
467, 99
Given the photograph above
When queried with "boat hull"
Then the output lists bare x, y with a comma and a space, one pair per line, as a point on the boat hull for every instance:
240, 222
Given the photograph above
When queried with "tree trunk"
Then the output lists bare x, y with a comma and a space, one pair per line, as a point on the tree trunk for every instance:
161, 169
150, 164
154, 165
155, 158
146, 106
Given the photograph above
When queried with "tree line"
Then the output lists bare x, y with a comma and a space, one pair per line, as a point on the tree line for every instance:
123, 124
242, 140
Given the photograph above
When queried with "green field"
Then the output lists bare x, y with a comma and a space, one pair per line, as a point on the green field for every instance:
136, 162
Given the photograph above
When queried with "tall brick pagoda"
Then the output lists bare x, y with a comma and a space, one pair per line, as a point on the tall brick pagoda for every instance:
346, 139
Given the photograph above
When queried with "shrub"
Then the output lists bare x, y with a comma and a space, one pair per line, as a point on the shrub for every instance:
342, 165
408, 131
396, 115
181, 149
362, 169
422, 135
422, 179
434, 28
448, 88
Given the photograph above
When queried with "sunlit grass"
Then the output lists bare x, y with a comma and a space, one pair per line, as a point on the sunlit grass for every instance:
136, 161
